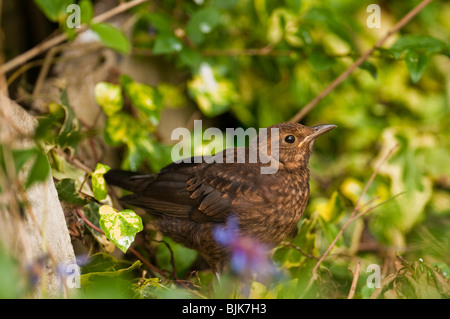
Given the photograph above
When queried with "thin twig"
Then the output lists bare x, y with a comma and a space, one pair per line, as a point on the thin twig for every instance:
355, 281
46, 45
88, 222
147, 263
372, 177
172, 258
400, 24
353, 216
304, 253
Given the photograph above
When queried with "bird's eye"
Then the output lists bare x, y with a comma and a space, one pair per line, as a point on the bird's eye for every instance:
290, 139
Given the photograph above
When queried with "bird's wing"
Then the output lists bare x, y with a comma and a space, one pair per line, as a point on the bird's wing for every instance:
166, 194
222, 189
204, 192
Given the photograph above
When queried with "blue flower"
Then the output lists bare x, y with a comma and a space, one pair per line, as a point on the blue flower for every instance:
248, 255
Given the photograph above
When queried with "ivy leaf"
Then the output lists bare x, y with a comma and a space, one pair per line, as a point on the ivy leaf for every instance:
67, 192
86, 11
70, 132
21, 157
416, 42
109, 97
144, 97
213, 92
39, 170
416, 64
98, 181
320, 60
120, 227
99, 262
106, 277
120, 128
54, 10
327, 17
368, 66
201, 23
112, 37
160, 21
332, 211
167, 44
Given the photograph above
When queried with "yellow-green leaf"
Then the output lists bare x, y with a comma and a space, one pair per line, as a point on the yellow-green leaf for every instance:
98, 181
120, 227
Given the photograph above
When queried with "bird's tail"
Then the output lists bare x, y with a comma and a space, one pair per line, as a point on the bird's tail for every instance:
130, 181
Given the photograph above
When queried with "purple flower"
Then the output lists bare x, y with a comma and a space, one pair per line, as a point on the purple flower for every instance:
248, 255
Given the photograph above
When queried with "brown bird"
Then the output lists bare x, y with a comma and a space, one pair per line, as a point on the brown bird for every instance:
189, 200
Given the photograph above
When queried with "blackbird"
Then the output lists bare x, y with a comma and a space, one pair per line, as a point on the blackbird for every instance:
188, 200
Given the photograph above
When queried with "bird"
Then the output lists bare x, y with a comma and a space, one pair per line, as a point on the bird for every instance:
188, 200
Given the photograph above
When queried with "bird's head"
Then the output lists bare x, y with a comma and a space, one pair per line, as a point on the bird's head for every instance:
291, 142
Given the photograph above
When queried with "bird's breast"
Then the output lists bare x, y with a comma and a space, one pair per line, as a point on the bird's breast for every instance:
284, 201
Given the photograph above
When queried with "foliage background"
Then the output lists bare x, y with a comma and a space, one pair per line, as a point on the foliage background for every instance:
254, 63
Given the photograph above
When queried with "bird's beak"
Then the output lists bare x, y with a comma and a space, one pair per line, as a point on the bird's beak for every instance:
319, 130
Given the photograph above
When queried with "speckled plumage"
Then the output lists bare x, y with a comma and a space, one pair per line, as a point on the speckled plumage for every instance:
189, 199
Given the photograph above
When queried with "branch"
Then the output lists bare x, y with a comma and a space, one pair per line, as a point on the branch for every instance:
354, 215
400, 24
44, 46
355, 281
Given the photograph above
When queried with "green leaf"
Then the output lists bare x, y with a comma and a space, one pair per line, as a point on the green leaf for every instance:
11, 276
190, 58
112, 37
70, 132
213, 92
98, 181
229, 4
167, 44
405, 158
109, 97
91, 212
55, 10
278, 21
22, 156
416, 64
106, 277
120, 227
320, 60
161, 22
68, 192
144, 97
368, 66
419, 43
99, 262
330, 231
201, 23
60, 126
40, 169
333, 210
121, 128
164, 256
172, 96
328, 17
86, 11
419, 280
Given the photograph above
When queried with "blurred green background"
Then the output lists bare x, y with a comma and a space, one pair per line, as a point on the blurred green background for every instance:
255, 63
